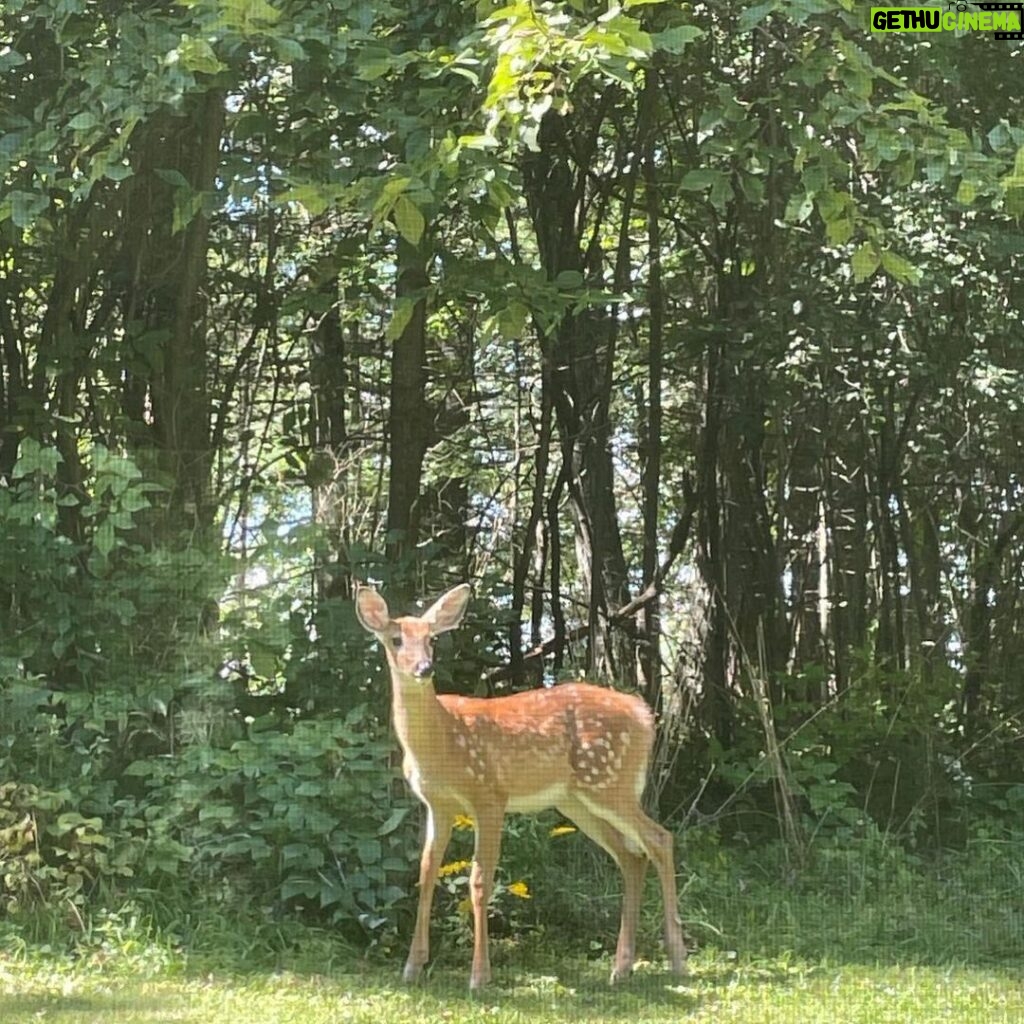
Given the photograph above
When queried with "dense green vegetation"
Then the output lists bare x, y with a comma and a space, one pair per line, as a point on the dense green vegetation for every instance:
689, 334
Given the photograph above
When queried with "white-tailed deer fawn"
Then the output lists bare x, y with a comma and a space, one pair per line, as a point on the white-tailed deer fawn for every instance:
579, 748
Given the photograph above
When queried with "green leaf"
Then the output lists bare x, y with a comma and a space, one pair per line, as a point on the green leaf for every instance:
400, 318
839, 231
899, 268
313, 198
292, 887
249, 15
186, 206
1018, 163
23, 208
264, 663
801, 10
134, 501
409, 220
701, 178
117, 172
10, 59
721, 192
85, 120
511, 321
1015, 202
197, 55
393, 188
675, 40
904, 170
254, 847
289, 51
752, 187
104, 539
966, 192
799, 208
172, 177
34, 458
481, 142
374, 62
837, 210
395, 819
999, 136
72, 819
369, 850
753, 16
864, 262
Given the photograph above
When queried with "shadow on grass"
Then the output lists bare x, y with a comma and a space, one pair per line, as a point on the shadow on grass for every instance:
577, 990
529, 1000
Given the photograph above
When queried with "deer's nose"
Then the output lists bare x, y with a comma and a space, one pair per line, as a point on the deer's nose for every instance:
423, 668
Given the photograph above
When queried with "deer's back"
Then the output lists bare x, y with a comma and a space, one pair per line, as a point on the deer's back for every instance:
539, 747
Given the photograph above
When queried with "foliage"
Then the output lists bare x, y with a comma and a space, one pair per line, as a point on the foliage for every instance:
62, 595
300, 817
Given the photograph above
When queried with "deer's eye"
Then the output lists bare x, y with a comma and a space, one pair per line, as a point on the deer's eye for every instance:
396, 641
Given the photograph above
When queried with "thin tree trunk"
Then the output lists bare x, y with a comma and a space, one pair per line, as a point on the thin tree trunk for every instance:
651, 467
716, 704
409, 417
525, 555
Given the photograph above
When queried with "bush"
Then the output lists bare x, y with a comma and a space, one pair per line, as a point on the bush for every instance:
302, 817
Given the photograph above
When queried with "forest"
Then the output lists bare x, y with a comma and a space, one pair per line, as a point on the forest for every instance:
689, 335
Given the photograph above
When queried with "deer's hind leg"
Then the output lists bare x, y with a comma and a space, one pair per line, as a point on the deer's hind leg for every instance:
633, 866
639, 832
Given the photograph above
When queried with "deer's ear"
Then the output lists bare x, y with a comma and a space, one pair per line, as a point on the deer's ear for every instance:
372, 610
447, 611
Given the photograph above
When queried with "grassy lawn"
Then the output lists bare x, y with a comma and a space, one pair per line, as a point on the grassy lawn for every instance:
860, 941
137, 991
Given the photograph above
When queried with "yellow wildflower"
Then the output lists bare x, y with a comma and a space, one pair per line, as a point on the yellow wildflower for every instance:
461, 821
520, 889
562, 830
454, 868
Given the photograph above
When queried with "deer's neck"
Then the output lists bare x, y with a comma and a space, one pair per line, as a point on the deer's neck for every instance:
421, 723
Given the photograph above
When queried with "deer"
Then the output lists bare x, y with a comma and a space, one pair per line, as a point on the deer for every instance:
576, 747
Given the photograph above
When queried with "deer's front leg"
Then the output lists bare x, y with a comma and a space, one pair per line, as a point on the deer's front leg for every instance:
439, 830
481, 884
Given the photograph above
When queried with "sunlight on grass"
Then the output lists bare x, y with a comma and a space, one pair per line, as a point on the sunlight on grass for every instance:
720, 990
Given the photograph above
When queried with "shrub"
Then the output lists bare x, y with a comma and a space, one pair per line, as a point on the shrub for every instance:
303, 816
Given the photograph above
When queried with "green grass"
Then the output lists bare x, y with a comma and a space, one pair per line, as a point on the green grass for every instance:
868, 936
722, 990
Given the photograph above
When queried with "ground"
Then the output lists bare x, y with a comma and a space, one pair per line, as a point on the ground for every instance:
139, 988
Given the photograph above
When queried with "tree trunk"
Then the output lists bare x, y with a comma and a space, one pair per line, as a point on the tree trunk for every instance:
167, 235
716, 703
650, 660
583, 352
409, 416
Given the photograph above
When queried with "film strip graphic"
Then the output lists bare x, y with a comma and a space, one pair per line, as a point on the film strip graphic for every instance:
1018, 7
